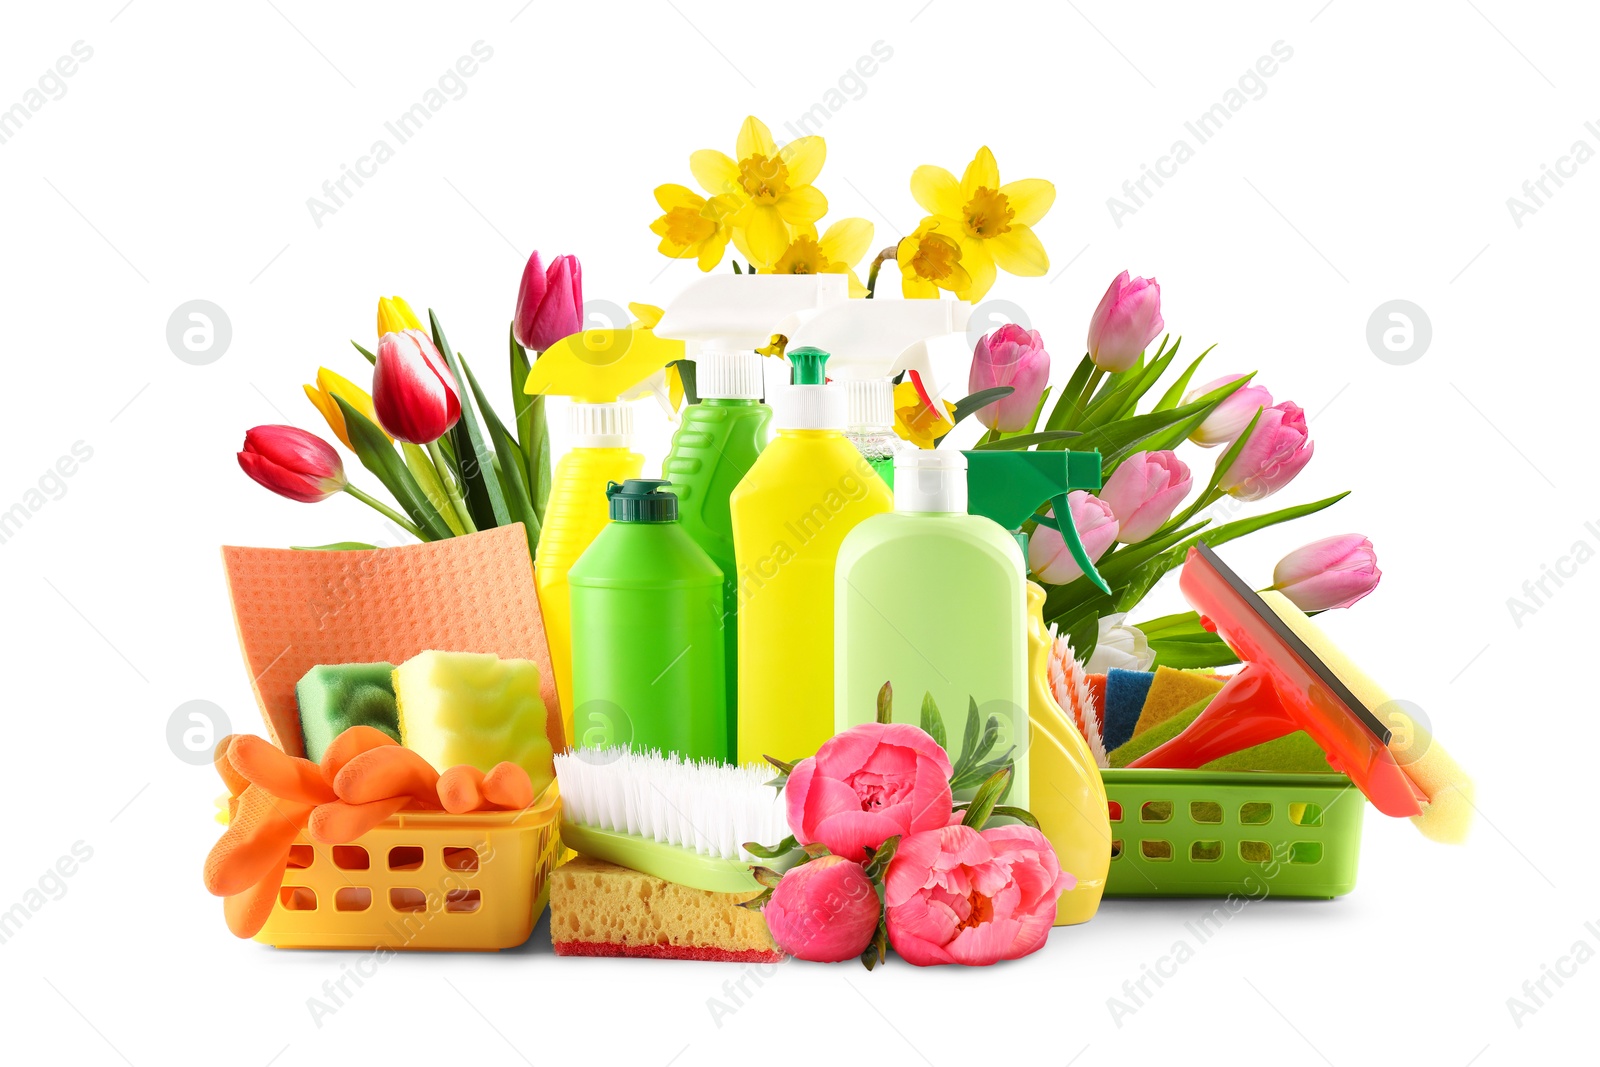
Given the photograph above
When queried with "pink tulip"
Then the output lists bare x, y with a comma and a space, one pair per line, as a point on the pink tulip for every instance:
549, 302
1144, 491
866, 785
1127, 320
1334, 572
292, 463
1048, 556
1229, 418
1010, 356
1278, 447
825, 911
413, 392
955, 895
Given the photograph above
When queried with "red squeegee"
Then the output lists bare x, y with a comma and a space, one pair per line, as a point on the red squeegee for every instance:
1283, 687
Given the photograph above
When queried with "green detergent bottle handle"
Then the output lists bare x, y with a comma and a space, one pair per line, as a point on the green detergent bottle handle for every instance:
1010, 486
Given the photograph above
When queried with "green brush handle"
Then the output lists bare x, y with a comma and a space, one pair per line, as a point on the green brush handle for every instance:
668, 862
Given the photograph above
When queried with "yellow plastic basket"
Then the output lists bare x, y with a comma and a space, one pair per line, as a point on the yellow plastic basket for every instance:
423, 881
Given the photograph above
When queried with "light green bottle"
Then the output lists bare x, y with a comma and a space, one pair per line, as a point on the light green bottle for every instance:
933, 600
647, 633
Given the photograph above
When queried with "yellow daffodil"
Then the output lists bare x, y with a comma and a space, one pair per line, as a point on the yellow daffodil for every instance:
394, 315
693, 227
916, 418
666, 384
771, 186
930, 261
993, 223
330, 385
837, 251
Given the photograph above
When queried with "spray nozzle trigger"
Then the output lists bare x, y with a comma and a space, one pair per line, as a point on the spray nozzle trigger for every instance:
1059, 506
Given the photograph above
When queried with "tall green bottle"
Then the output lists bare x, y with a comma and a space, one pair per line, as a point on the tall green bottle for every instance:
647, 632
723, 320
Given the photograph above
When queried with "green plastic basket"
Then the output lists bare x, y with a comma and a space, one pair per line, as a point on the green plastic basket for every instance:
1179, 833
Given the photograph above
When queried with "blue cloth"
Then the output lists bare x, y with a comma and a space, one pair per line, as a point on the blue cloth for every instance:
1125, 693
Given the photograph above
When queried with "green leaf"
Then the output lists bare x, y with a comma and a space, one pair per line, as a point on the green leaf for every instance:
1137, 381
1061, 414
1230, 454
373, 449
509, 472
981, 399
886, 704
521, 402
1184, 622
1038, 409
878, 864
337, 546
533, 432
991, 734
1117, 440
370, 357
1218, 535
933, 722
484, 498
987, 796
1191, 651
1022, 815
1025, 440
688, 374
786, 768
766, 852
969, 736
422, 469
816, 850
1175, 391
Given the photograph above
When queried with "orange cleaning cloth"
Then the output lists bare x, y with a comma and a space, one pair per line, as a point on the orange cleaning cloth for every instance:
295, 610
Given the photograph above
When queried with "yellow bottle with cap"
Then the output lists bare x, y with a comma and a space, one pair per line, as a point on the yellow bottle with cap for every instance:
808, 489
594, 368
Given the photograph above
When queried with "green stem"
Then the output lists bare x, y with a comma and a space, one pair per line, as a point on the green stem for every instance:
450, 487
877, 264
1083, 397
385, 510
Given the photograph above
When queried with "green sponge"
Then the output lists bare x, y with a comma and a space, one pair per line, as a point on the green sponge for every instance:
335, 697
1158, 735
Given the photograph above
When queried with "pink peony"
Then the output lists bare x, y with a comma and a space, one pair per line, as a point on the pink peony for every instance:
824, 911
1229, 418
1334, 572
866, 785
1011, 356
1144, 491
1127, 320
955, 895
1048, 556
1278, 448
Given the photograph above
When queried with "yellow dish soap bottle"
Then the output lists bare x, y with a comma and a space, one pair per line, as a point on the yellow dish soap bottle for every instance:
594, 368
806, 491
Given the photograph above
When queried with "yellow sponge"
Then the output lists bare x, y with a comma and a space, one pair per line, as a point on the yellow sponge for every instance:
601, 909
1448, 814
474, 708
1172, 691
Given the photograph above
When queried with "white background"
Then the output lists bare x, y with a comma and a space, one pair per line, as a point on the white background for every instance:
1376, 166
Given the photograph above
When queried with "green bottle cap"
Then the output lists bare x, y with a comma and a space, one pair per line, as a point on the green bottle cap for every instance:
636, 500
807, 364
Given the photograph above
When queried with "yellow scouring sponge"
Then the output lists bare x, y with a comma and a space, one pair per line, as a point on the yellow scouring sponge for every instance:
1172, 691
474, 708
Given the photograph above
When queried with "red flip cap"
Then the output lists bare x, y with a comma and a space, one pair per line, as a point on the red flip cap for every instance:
1283, 687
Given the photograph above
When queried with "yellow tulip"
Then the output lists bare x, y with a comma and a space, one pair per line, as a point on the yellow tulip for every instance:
771, 188
394, 315
330, 385
693, 226
915, 420
836, 252
992, 223
930, 261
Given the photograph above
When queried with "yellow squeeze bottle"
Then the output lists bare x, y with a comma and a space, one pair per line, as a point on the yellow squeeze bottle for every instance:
594, 368
807, 490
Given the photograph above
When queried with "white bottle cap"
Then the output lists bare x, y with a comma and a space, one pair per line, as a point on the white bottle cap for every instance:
869, 404
602, 425
930, 479
808, 407
723, 373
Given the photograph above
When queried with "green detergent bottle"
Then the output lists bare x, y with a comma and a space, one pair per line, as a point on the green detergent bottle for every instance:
722, 320
647, 640
933, 599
